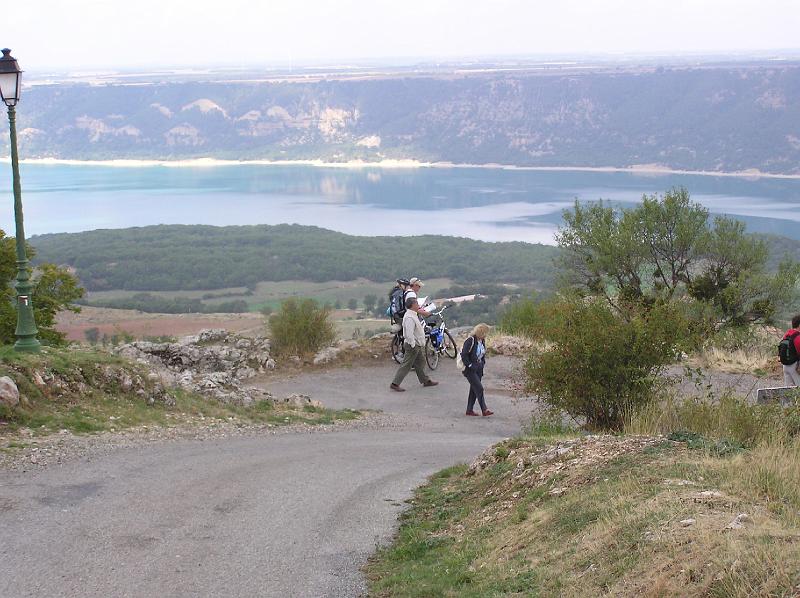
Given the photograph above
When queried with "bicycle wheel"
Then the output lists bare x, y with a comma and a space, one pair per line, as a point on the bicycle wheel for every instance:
397, 348
449, 345
431, 354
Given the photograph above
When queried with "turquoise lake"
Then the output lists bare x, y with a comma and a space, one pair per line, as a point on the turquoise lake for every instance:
481, 203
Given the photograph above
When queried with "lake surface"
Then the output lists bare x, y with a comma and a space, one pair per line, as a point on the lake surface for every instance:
481, 203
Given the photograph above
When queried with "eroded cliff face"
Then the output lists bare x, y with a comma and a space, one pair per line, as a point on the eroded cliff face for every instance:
722, 118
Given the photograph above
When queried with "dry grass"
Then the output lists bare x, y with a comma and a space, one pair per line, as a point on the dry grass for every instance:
750, 350
728, 419
770, 472
602, 516
758, 360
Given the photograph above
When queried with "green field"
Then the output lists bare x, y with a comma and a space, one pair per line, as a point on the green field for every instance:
272, 293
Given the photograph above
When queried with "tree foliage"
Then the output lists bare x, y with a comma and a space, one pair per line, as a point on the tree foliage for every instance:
55, 289
370, 301
596, 365
301, 326
666, 248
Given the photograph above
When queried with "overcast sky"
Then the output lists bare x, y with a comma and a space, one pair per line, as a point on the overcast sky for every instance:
81, 34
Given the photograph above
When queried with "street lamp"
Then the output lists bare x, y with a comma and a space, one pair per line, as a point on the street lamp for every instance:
10, 87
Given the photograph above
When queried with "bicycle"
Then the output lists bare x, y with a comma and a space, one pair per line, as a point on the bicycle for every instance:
397, 343
439, 341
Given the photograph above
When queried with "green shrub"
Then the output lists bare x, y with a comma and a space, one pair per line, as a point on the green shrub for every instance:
530, 317
598, 366
301, 326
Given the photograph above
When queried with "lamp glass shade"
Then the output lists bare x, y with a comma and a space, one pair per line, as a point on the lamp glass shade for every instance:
10, 87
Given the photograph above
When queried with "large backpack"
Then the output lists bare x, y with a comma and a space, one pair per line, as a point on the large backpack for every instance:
459, 361
787, 352
396, 304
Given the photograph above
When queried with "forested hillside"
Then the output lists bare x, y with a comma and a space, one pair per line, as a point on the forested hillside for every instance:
708, 117
163, 258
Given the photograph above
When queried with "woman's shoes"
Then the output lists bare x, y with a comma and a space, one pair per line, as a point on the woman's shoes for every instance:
472, 413
487, 413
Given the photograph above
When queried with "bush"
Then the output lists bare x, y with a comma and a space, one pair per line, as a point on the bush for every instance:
530, 317
301, 326
598, 366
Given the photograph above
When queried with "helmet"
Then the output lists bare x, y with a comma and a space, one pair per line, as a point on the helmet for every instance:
403, 281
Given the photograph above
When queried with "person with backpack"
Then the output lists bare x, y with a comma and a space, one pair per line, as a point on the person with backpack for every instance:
397, 306
414, 285
789, 353
473, 359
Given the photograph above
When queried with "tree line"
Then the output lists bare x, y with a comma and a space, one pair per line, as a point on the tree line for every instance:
181, 257
150, 303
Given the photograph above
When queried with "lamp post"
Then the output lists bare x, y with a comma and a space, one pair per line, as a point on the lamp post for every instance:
10, 87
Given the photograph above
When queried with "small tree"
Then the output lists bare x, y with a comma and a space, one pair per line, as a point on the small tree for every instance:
369, 302
55, 289
301, 326
666, 249
598, 366
92, 335
352, 304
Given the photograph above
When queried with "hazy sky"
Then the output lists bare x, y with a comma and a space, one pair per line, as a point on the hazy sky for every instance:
80, 34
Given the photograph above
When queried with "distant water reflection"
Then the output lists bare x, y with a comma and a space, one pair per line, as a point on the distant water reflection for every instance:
487, 204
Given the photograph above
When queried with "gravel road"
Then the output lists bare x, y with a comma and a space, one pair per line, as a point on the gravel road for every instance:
292, 514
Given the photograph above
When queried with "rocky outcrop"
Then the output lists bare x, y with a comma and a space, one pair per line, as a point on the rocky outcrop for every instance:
215, 363
79, 378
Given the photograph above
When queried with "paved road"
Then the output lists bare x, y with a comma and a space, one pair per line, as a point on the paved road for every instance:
286, 515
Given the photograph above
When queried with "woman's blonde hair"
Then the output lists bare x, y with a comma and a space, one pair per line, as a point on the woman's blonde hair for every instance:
481, 330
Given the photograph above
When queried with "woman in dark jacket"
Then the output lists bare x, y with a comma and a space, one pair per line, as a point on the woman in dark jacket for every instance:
473, 354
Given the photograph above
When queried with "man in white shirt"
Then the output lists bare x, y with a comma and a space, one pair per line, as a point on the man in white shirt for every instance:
414, 348
415, 284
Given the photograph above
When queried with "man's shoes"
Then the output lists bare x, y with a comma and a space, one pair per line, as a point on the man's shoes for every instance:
487, 413
430, 383
396, 387
472, 413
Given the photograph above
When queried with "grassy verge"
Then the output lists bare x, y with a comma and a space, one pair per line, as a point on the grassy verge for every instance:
602, 515
84, 391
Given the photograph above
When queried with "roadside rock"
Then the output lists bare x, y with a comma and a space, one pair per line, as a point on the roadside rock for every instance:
38, 380
509, 345
9, 393
213, 362
739, 521
330, 353
300, 400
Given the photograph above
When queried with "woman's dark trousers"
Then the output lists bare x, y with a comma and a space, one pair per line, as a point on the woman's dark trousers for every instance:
475, 388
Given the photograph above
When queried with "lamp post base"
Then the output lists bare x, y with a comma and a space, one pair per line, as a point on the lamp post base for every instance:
26, 331
27, 345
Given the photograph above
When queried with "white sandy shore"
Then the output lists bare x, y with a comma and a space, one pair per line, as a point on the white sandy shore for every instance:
638, 169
